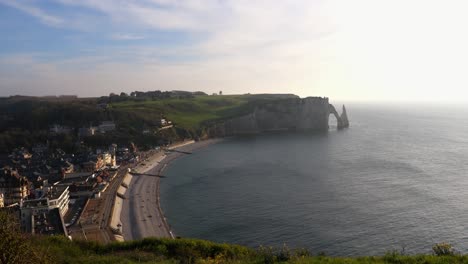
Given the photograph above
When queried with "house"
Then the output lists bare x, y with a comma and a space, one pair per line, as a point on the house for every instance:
102, 105
67, 167
39, 148
24, 154
13, 186
76, 176
58, 129
165, 122
88, 166
100, 163
106, 126
68, 97
86, 131
82, 189
109, 159
94, 163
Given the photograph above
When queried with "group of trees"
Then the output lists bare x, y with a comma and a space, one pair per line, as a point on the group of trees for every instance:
40, 115
25, 123
152, 95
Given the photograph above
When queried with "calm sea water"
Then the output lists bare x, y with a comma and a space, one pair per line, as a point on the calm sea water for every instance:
398, 178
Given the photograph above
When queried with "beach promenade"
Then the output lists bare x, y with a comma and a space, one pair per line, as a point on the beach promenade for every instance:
141, 214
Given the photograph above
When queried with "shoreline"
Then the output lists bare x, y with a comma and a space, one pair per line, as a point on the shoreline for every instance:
196, 145
142, 215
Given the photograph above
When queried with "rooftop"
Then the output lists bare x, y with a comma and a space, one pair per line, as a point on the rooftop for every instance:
57, 191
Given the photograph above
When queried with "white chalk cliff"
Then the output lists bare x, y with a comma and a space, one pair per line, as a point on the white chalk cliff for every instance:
292, 114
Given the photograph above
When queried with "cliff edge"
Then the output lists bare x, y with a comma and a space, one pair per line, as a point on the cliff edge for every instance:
291, 114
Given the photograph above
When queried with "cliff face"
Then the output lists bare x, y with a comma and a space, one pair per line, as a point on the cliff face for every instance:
295, 114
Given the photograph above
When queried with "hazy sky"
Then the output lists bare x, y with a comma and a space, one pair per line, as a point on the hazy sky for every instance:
346, 50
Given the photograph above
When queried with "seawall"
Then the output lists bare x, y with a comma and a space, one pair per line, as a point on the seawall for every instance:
115, 223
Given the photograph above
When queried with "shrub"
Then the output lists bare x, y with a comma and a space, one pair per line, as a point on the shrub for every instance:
16, 247
443, 249
282, 254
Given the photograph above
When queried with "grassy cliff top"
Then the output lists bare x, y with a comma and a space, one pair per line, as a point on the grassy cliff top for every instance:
192, 113
34, 113
187, 112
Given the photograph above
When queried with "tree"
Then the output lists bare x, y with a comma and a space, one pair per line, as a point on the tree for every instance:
16, 247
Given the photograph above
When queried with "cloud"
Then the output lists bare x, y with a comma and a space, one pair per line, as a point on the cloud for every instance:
35, 12
163, 15
237, 45
120, 36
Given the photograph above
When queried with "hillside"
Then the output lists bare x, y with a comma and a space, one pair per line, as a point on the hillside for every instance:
25, 121
192, 113
189, 113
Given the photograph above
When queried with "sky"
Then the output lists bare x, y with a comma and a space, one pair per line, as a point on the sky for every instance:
360, 50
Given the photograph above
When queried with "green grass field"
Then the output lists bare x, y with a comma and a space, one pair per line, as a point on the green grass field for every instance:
189, 113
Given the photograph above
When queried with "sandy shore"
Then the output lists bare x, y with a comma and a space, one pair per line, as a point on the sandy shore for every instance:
141, 214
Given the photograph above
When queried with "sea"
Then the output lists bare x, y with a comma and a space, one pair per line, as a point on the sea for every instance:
397, 179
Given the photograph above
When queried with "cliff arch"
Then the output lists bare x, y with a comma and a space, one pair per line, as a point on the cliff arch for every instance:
341, 120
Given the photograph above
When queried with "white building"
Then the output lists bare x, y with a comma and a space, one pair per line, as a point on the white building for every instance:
13, 186
109, 159
57, 198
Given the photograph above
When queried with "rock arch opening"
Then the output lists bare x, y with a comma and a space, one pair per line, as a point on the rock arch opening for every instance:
341, 120
332, 122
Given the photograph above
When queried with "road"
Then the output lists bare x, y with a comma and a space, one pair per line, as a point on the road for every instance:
109, 197
141, 215
94, 221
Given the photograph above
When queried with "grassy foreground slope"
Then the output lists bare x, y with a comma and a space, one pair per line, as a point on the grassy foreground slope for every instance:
16, 247
154, 250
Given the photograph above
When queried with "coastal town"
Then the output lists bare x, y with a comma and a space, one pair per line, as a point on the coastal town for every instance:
77, 195
84, 190
90, 168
